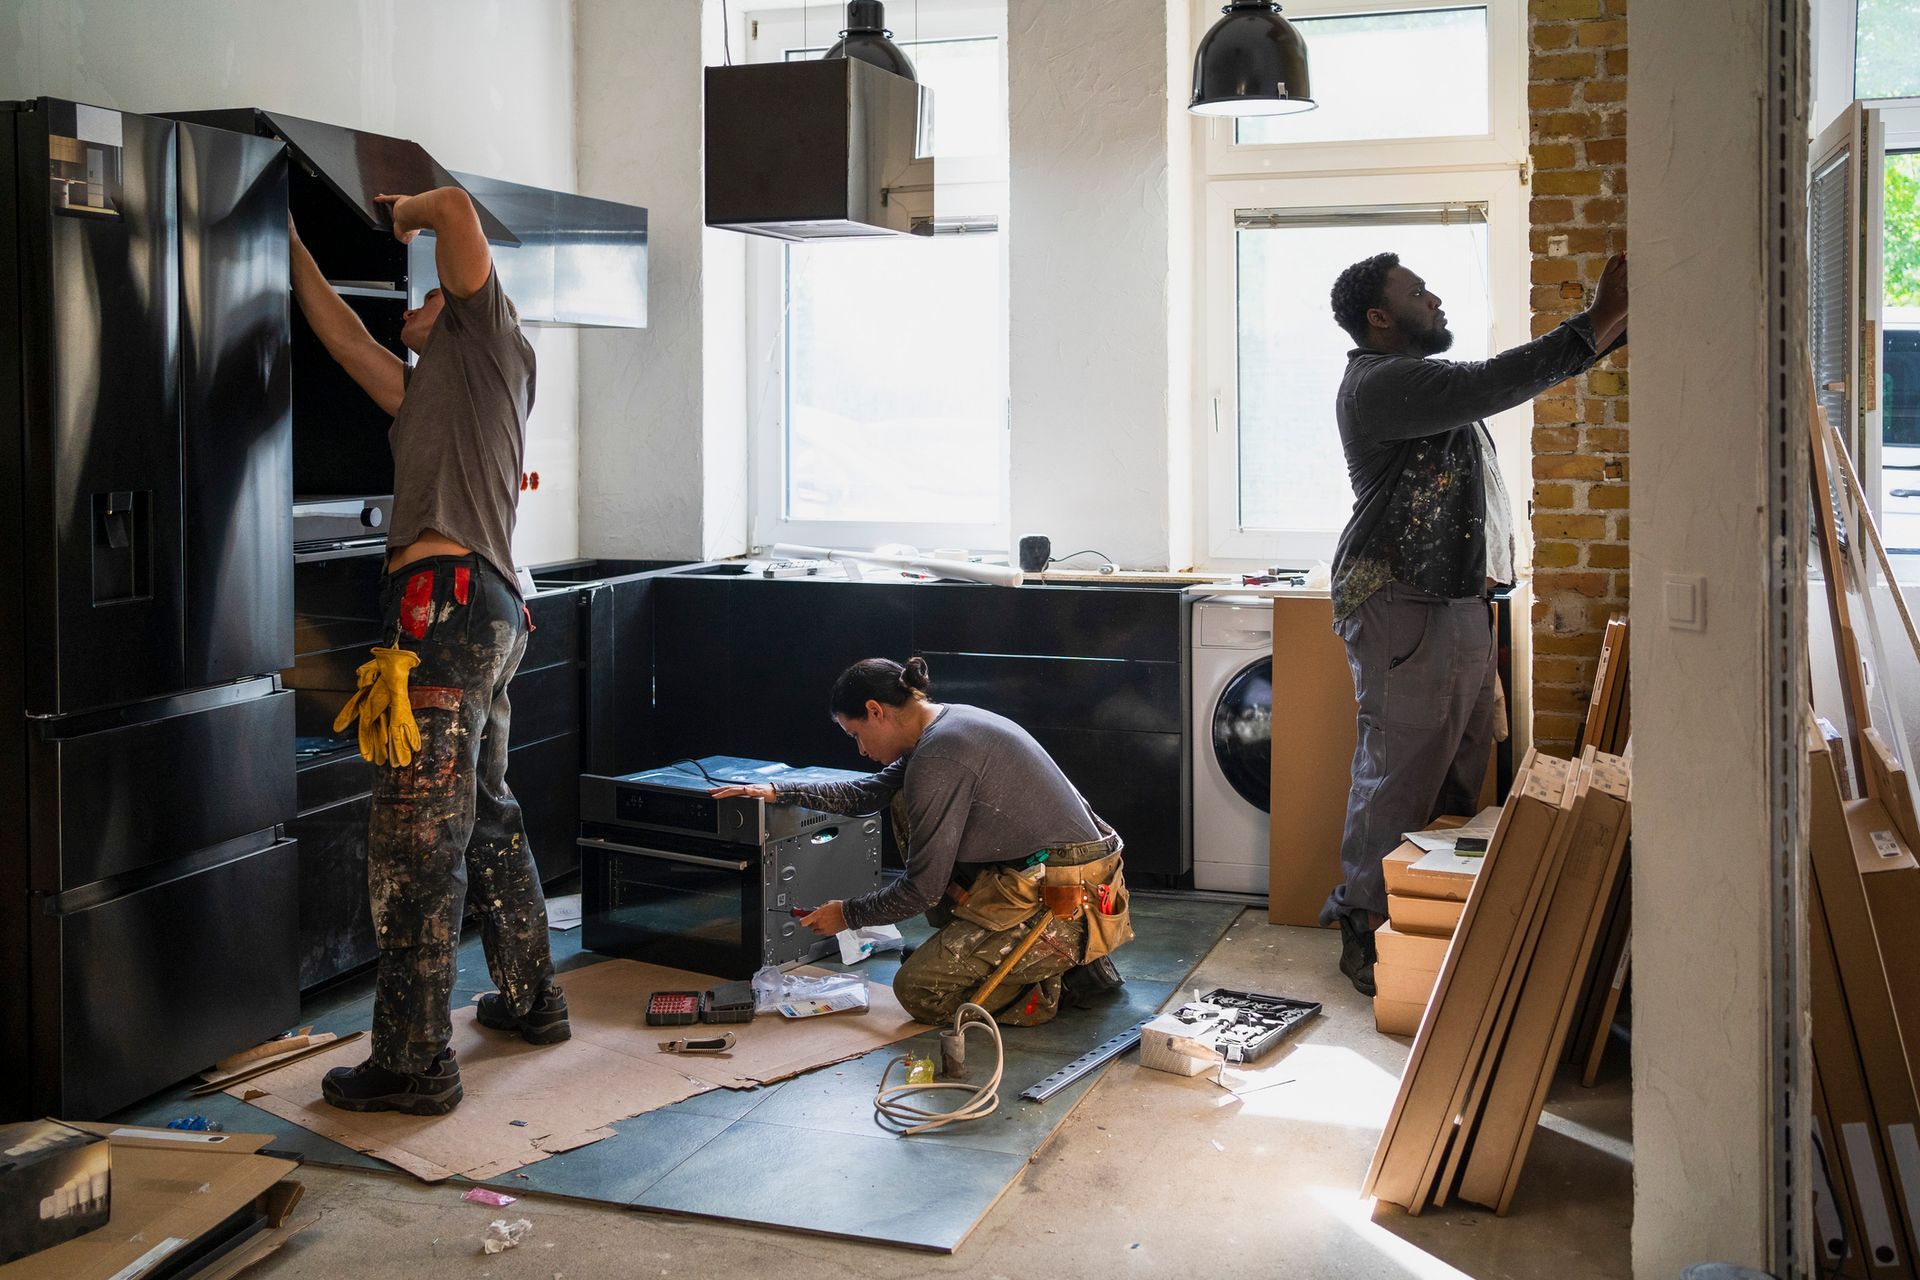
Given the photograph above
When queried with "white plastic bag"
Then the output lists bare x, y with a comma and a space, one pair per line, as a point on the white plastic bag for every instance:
857, 944
799, 995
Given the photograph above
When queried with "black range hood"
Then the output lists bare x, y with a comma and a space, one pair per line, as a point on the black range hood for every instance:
580, 261
828, 149
356, 165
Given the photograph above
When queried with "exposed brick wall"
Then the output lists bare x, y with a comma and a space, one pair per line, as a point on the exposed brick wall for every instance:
1576, 100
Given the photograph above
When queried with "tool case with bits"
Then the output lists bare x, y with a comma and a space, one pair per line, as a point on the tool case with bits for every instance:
1249, 1024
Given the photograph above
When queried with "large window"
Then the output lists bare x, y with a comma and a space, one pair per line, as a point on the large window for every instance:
881, 397
1293, 475
1418, 74
1887, 49
1418, 147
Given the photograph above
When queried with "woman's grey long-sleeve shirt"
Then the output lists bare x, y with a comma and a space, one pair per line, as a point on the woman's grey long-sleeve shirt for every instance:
978, 788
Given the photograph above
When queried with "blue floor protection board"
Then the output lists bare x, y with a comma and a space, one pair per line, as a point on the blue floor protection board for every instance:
732, 1154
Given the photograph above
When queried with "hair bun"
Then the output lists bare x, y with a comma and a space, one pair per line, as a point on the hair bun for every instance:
914, 674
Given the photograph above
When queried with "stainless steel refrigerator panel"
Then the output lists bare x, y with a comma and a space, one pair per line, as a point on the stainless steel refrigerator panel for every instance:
99, 293
236, 404
141, 794
158, 983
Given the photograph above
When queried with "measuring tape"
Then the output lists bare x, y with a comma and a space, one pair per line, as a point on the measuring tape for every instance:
1090, 1061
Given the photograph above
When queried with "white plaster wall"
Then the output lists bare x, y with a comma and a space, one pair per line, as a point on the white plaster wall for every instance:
1833, 35
485, 85
1090, 370
1701, 934
662, 410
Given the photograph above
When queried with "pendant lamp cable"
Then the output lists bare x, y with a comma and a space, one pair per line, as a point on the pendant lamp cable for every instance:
726, 33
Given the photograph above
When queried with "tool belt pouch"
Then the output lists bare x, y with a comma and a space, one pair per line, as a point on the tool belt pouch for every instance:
1002, 899
1105, 933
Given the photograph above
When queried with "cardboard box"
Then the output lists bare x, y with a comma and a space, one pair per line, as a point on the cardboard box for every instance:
1410, 873
1589, 872
1400, 983
55, 1184
177, 1195
1429, 917
1312, 767
1455, 1033
1410, 950
1397, 1017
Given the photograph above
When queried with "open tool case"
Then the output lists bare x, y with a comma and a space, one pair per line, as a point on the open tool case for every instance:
1254, 1023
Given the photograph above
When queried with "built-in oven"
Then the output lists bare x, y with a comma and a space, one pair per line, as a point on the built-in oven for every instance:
674, 877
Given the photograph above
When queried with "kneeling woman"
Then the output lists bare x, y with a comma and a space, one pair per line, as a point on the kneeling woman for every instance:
996, 839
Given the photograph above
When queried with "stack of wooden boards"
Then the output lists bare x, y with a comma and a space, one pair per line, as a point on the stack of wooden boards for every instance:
1863, 972
1608, 727
1425, 899
1505, 998
1864, 984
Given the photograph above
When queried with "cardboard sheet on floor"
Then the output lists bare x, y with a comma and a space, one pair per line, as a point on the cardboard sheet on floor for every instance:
524, 1104
170, 1190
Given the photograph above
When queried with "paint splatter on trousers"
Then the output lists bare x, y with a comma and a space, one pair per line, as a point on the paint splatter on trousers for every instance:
944, 971
446, 828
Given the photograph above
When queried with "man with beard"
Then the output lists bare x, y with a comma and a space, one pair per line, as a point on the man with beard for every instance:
1430, 540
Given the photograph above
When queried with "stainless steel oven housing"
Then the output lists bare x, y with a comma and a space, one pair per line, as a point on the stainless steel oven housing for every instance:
676, 878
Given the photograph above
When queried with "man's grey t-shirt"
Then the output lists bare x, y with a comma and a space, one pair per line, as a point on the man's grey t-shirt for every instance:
978, 789
459, 438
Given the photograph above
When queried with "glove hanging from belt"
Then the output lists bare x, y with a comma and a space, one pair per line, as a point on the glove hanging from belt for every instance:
388, 732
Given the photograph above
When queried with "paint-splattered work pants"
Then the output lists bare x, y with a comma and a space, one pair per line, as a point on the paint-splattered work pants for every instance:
448, 816
1423, 676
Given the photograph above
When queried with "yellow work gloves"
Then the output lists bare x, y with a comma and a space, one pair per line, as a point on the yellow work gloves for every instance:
388, 732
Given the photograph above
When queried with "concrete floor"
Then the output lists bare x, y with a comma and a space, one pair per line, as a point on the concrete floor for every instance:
1152, 1175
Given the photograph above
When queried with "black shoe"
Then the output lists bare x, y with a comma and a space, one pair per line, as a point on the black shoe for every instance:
371, 1088
1084, 981
1356, 953
545, 1023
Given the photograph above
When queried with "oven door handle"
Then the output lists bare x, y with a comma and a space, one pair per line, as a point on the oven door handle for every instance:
723, 864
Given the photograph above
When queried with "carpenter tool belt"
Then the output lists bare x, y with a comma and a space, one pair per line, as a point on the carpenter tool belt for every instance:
1081, 881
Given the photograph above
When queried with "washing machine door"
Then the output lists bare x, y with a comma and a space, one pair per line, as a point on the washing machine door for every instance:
1243, 733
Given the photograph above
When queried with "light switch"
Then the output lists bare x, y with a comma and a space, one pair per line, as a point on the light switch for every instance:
1686, 602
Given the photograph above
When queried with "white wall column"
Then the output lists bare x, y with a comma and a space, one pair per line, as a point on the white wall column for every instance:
1718, 294
1091, 375
663, 470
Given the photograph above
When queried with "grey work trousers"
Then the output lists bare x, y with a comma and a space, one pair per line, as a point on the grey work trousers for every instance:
1423, 676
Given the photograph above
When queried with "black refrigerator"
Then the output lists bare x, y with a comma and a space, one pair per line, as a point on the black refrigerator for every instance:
148, 903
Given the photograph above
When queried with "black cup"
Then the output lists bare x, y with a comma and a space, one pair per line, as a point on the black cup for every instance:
1035, 552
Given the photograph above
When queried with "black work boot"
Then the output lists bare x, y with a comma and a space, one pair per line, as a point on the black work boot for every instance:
367, 1087
1356, 952
1084, 981
545, 1023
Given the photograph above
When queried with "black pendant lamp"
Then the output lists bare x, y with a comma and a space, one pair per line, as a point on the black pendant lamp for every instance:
866, 39
1252, 63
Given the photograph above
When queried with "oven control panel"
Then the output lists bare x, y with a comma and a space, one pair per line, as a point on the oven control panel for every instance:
659, 808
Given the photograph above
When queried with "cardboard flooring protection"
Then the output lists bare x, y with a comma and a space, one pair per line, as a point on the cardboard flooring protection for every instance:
168, 1191
524, 1103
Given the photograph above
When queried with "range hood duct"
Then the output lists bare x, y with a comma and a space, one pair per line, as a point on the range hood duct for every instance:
837, 148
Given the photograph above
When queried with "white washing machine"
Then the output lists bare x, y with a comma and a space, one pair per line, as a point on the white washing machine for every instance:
1230, 740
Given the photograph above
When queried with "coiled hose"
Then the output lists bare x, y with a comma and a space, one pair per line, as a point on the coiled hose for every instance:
890, 1104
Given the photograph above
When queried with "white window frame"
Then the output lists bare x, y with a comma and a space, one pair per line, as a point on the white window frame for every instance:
1502, 195
770, 32
1491, 169
1504, 143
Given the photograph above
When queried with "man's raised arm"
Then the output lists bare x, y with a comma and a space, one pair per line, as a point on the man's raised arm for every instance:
377, 370
460, 251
